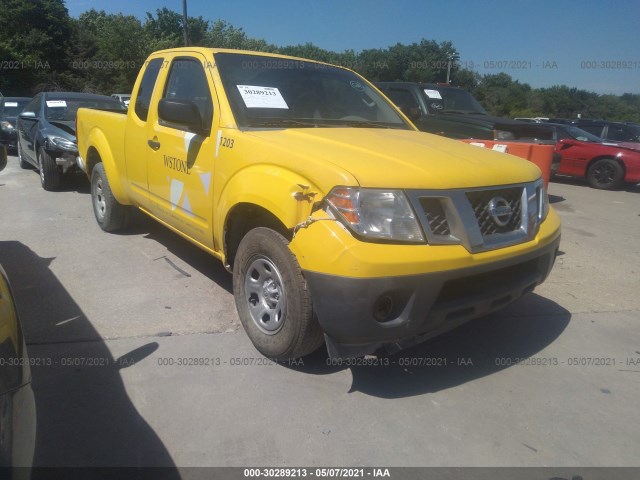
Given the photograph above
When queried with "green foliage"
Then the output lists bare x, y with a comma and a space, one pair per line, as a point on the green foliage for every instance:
102, 53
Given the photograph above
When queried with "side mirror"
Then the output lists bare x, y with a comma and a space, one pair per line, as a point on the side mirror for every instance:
184, 113
27, 115
3, 157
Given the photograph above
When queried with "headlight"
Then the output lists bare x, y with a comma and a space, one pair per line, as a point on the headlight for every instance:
64, 144
503, 135
6, 126
542, 200
376, 214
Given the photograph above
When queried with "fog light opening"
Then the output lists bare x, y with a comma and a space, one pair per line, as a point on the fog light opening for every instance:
382, 308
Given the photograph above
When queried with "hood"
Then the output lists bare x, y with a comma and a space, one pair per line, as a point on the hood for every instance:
635, 146
388, 158
11, 120
65, 129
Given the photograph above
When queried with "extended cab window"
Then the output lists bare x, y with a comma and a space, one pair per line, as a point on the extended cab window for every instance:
187, 81
143, 99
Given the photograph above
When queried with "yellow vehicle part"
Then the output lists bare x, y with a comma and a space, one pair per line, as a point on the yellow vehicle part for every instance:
324, 245
106, 149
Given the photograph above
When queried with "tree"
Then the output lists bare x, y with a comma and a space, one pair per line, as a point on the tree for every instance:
33, 36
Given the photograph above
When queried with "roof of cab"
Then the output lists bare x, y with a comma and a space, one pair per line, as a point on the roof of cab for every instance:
213, 51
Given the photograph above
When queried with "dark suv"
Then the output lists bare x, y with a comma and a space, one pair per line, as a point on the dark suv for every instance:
454, 113
611, 131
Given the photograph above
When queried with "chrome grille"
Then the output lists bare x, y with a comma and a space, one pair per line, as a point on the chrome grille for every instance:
489, 222
479, 219
436, 217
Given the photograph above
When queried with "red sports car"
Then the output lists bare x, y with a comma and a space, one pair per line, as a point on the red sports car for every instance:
605, 165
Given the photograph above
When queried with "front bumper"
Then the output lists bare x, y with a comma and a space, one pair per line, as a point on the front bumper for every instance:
367, 296
64, 159
361, 315
9, 139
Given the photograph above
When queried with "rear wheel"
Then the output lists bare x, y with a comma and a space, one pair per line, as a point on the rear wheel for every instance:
272, 297
110, 214
605, 174
50, 174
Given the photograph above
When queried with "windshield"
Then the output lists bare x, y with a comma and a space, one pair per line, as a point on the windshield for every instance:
451, 100
581, 135
65, 109
278, 92
12, 108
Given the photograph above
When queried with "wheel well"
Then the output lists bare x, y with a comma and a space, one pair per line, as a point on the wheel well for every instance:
244, 217
606, 157
93, 158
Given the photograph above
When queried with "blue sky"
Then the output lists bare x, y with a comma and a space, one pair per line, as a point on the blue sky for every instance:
558, 42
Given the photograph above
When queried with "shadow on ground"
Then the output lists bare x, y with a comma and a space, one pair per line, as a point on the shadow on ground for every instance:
84, 415
479, 348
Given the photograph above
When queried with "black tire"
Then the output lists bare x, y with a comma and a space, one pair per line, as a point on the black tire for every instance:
272, 297
21, 160
50, 174
605, 174
110, 214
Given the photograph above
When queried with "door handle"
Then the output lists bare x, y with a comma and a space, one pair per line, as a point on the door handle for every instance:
154, 144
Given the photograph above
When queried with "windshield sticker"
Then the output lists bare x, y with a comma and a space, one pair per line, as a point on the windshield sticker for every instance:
437, 106
10, 104
356, 85
56, 103
433, 93
262, 97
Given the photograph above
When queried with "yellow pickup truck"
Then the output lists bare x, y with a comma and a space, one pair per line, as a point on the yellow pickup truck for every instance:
340, 222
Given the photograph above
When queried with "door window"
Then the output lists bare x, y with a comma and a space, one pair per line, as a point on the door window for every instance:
187, 81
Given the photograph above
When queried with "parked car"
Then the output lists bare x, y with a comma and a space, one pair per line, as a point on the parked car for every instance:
123, 97
10, 107
17, 402
453, 112
611, 131
47, 132
605, 165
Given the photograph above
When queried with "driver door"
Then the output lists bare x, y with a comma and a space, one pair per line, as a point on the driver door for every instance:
180, 161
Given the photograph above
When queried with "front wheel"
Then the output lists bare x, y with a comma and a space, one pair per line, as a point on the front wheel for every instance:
110, 214
272, 297
605, 174
50, 174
